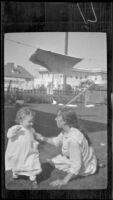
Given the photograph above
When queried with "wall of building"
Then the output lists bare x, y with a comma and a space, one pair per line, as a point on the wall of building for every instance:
18, 83
56, 81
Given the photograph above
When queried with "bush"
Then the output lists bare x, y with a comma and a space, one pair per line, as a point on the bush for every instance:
37, 99
62, 98
9, 98
42, 88
68, 89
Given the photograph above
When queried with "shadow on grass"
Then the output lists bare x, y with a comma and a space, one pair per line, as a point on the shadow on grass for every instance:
44, 175
22, 177
46, 172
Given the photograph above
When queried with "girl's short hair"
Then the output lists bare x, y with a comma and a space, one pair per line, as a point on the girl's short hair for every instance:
22, 113
69, 116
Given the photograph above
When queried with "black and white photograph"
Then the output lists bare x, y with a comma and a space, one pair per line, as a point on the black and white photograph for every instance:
56, 87
55, 110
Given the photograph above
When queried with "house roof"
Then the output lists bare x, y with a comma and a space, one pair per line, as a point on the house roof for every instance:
54, 62
16, 72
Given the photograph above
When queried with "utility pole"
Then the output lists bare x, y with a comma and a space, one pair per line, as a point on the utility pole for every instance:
66, 43
66, 53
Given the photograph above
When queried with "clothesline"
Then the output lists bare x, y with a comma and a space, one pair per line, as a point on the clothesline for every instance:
28, 45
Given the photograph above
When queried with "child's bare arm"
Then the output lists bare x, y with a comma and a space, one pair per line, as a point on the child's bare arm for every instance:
38, 136
48, 140
13, 131
43, 139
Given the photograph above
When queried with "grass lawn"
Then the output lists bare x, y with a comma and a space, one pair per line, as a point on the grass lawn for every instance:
98, 134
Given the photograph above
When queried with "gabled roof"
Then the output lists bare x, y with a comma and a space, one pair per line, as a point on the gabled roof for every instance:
16, 72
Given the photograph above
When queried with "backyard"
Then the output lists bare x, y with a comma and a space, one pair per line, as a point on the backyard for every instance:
93, 120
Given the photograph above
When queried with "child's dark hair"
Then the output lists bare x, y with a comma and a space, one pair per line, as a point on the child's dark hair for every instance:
22, 113
70, 117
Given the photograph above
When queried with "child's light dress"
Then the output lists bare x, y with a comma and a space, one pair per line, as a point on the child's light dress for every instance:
77, 156
22, 156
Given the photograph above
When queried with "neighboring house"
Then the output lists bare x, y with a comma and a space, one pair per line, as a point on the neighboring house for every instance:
48, 79
78, 75
17, 77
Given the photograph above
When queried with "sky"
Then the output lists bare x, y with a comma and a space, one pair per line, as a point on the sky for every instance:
85, 45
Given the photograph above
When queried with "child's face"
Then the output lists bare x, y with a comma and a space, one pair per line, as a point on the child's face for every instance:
60, 121
27, 121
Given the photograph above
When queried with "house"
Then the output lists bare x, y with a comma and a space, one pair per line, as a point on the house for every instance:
17, 77
75, 79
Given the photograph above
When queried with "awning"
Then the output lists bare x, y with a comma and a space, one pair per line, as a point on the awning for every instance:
54, 62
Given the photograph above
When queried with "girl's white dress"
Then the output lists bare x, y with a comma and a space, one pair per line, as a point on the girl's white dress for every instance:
22, 156
77, 156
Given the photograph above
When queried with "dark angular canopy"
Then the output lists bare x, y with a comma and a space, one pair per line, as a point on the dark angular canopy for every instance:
54, 62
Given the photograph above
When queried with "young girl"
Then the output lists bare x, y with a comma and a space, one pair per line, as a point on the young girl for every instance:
77, 157
22, 156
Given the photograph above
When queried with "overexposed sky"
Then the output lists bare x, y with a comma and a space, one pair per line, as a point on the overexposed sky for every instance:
85, 45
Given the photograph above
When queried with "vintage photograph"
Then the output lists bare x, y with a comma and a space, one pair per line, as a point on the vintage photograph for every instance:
55, 110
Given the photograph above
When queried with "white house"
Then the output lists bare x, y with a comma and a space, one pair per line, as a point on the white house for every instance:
17, 77
55, 81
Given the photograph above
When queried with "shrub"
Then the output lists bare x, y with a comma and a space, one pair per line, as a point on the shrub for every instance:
37, 99
68, 89
42, 88
9, 98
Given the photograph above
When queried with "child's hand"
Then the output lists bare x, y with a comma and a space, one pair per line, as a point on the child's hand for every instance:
35, 145
39, 137
13, 131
